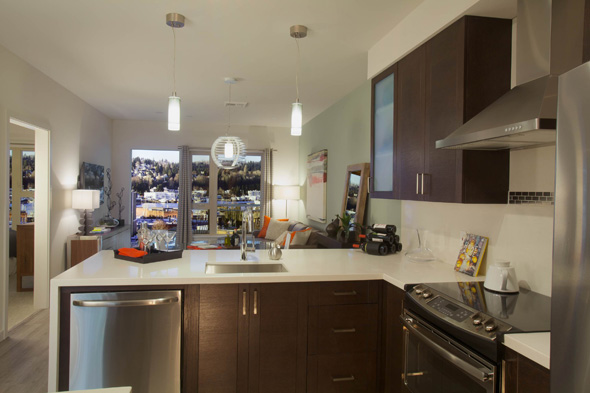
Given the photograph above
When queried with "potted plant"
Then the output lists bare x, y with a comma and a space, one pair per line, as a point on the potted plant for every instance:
345, 227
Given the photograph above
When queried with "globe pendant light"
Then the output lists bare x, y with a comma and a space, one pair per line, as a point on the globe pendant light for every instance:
297, 31
228, 152
175, 21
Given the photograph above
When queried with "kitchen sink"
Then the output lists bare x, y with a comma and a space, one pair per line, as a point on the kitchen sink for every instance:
228, 268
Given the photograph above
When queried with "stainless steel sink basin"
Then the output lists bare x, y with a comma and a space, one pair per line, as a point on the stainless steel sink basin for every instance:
228, 268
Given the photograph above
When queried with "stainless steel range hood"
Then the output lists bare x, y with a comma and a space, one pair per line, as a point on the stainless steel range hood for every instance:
526, 115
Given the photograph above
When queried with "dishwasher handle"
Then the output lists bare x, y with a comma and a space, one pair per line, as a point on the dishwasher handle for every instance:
126, 303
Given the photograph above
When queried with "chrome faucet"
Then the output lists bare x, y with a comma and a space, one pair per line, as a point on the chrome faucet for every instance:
247, 226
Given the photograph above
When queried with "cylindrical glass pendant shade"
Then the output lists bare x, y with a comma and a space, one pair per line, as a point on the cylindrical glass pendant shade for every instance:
173, 113
296, 119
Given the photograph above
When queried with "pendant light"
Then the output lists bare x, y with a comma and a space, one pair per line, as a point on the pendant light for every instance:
297, 31
228, 152
175, 21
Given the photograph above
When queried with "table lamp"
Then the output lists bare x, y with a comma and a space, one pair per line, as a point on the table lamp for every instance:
286, 193
87, 201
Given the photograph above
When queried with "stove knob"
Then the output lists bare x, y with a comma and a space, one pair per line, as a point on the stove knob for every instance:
426, 294
477, 320
490, 327
418, 290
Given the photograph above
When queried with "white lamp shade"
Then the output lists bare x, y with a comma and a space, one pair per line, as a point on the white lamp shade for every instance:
287, 193
173, 113
85, 199
229, 150
296, 118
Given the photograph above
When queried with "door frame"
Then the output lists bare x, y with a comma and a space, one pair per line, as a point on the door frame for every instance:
42, 220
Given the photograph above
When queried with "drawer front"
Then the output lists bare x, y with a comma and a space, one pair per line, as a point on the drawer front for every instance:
342, 373
343, 292
343, 329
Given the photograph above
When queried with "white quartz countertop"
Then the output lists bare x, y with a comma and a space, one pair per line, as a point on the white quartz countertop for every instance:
302, 265
535, 346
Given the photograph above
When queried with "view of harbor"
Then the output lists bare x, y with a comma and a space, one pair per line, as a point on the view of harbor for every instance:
155, 182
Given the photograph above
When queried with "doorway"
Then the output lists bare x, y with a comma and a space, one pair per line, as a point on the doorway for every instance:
27, 268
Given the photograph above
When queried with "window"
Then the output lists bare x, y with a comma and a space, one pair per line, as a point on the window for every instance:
223, 194
28, 167
22, 188
154, 186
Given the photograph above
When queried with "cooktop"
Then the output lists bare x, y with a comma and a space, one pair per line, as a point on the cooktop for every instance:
526, 311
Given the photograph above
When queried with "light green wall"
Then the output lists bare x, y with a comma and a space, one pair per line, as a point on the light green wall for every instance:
345, 130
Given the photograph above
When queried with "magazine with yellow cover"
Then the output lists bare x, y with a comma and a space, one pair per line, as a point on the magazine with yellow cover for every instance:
471, 254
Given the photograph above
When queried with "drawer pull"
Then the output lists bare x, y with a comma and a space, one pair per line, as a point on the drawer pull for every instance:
343, 379
350, 330
344, 293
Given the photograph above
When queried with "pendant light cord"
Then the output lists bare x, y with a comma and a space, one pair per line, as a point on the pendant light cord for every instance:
229, 112
174, 61
297, 70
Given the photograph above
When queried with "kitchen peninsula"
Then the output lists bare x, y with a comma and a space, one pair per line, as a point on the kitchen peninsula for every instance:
314, 281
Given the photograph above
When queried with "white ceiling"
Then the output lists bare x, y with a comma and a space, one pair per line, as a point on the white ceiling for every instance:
117, 55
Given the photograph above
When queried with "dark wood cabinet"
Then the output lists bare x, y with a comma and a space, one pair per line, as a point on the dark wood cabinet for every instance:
440, 86
522, 375
252, 338
343, 336
409, 151
25, 254
392, 343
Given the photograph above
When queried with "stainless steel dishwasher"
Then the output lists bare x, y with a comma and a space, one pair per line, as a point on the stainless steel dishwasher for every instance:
126, 339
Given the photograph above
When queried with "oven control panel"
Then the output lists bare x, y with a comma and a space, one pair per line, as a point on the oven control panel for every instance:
457, 313
451, 310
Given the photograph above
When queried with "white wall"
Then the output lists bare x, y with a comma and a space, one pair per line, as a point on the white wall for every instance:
128, 135
78, 133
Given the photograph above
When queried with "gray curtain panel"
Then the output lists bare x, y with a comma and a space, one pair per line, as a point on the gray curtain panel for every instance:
184, 232
267, 165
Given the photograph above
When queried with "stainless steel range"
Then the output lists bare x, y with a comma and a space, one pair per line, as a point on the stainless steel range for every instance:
453, 331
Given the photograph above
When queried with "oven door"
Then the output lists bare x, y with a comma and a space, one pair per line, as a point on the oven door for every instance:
435, 363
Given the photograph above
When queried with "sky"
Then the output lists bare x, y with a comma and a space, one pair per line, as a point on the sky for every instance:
169, 155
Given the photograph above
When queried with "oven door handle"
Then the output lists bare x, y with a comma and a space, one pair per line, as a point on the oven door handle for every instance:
477, 373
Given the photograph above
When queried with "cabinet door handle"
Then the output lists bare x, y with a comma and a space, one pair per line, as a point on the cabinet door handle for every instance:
503, 389
344, 293
422, 186
343, 379
417, 182
244, 299
255, 301
349, 330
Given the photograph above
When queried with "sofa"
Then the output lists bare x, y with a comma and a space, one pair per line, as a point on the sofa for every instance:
317, 238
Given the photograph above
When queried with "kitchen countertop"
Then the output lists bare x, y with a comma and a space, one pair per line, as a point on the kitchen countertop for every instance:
535, 346
126, 389
303, 265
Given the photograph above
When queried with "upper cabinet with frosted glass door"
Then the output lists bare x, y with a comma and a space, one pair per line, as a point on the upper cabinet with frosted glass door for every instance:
383, 113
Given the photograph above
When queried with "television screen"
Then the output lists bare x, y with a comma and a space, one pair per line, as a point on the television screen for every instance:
92, 178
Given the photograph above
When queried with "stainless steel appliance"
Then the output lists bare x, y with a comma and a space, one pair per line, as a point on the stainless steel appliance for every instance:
570, 320
452, 333
549, 42
126, 339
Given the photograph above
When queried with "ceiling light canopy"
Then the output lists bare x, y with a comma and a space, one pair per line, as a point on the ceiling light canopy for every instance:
228, 152
175, 21
297, 32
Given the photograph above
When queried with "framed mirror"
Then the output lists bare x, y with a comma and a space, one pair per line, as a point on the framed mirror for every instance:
356, 191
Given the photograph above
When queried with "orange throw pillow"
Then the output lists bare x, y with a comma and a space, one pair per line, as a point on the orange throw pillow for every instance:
262, 232
300, 236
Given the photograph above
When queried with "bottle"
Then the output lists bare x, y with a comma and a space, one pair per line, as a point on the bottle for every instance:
275, 252
235, 239
227, 240
383, 228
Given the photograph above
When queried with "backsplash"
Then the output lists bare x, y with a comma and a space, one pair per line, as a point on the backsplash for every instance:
522, 234
527, 197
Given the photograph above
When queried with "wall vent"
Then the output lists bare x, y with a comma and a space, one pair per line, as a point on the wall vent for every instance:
235, 104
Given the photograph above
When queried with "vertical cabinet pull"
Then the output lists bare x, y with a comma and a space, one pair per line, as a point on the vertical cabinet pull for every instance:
244, 299
503, 389
422, 185
417, 182
255, 301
